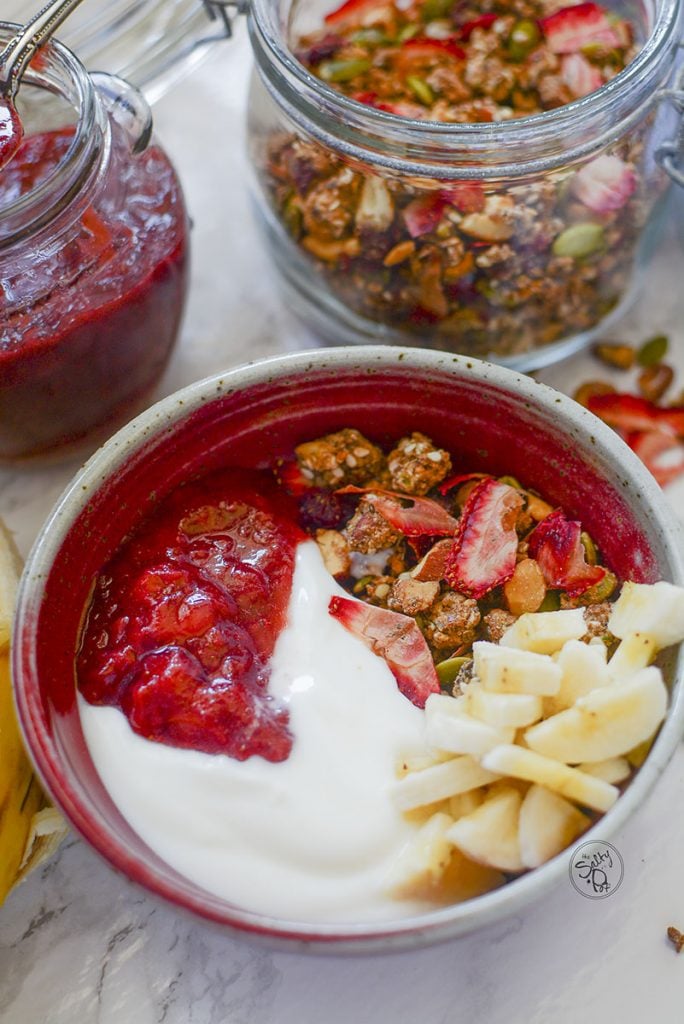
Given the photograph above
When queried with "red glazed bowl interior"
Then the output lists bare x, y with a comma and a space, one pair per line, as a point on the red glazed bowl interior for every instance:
490, 419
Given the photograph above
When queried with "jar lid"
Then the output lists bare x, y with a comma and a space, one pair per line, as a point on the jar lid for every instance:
150, 43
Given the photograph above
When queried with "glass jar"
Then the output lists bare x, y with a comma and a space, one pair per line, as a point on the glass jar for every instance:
93, 259
538, 272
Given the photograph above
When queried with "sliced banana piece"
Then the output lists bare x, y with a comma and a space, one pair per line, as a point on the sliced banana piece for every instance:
462, 734
508, 670
635, 652
490, 834
605, 723
423, 861
10, 569
583, 669
502, 710
545, 632
569, 782
439, 782
548, 824
615, 769
655, 610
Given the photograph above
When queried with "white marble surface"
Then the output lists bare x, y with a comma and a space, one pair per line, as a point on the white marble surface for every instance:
80, 945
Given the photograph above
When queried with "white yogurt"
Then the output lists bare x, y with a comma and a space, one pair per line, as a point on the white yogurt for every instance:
312, 838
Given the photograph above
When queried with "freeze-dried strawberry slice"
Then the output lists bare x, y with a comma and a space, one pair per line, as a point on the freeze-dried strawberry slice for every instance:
628, 413
579, 75
571, 28
467, 28
418, 48
558, 550
424, 213
466, 196
423, 518
605, 184
397, 639
292, 479
460, 478
660, 452
483, 553
351, 11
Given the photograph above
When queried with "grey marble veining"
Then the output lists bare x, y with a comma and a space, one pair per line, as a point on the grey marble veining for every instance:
81, 945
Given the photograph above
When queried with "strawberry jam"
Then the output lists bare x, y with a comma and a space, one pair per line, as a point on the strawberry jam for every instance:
184, 620
90, 301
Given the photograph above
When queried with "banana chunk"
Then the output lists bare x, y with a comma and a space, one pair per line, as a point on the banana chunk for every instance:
569, 782
615, 769
502, 710
605, 723
548, 824
439, 782
636, 651
489, 834
424, 860
583, 669
449, 727
655, 610
510, 670
10, 569
545, 632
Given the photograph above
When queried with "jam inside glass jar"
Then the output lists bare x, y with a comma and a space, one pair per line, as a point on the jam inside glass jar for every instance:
93, 261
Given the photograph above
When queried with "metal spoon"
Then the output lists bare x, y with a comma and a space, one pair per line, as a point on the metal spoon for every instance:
20, 50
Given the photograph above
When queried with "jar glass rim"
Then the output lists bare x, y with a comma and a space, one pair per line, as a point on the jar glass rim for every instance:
61, 72
307, 92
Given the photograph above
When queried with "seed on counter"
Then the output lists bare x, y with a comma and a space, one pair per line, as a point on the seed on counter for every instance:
590, 388
654, 381
615, 354
653, 351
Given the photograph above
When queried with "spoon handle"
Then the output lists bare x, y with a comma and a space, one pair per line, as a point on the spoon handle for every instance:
28, 40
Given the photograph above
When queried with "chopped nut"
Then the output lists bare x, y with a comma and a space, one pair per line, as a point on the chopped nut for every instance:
676, 938
335, 552
416, 465
495, 624
526, 589
591, 388
399, 253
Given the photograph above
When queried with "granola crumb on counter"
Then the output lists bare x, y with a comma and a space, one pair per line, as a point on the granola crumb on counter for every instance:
676, 938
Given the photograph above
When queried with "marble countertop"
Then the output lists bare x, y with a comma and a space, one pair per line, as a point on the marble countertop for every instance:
80, 945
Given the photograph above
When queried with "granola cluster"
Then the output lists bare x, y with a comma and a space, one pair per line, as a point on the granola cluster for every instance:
461, 557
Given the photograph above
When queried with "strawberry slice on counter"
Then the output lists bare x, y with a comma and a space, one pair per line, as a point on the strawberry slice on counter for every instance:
627, 413
660, 452
483, 553
571, 28
557, 548
397, 639
423, 518
606, 183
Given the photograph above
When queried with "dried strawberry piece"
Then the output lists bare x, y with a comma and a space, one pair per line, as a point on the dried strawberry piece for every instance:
483, 553
351, 11
397, 639
456, 481
402, 108
628, 413
292, 479
321, 50
467, 28
655, 449
579, 75
424, 213
571, 28
605, 184
422, 46
424, 517
557, 548
433, 563
466, 196
368, 98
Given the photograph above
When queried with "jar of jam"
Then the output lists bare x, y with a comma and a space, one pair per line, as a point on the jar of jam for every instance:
93, 258
484, 178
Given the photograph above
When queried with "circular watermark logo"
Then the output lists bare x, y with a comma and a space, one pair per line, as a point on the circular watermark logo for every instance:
596, 869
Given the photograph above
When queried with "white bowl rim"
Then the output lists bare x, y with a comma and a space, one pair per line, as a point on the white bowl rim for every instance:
456, 919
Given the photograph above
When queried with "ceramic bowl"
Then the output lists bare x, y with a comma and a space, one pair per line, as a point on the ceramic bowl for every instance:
490, 418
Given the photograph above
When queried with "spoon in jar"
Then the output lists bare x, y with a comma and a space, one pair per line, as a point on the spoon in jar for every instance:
13, 62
